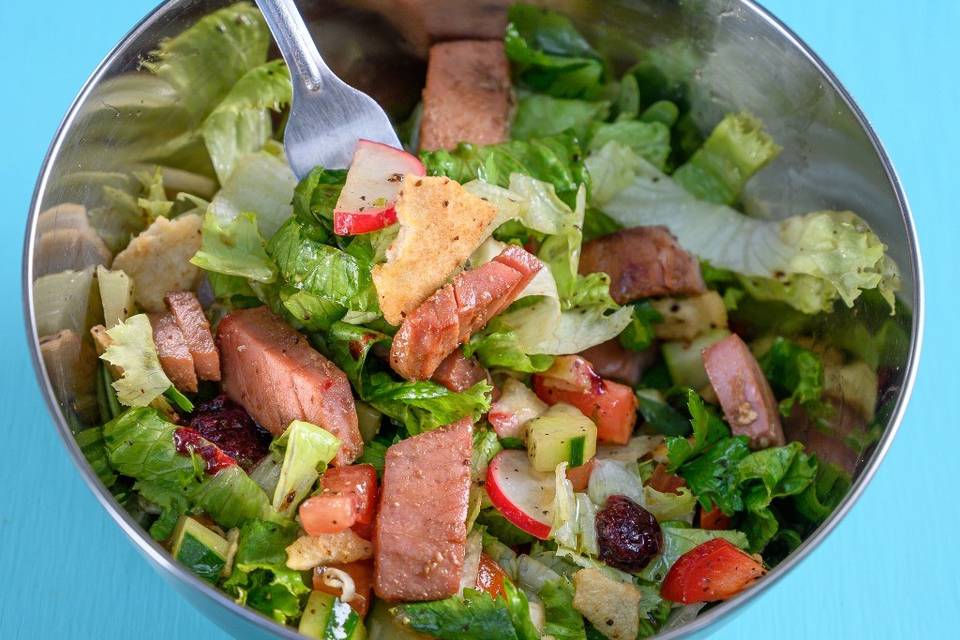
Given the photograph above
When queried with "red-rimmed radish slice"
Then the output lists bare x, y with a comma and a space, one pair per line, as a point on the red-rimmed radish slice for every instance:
371, 188
522, 495
573, 373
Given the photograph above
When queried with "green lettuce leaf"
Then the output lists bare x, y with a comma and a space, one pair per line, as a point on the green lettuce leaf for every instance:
502, 349
139, 443
260, 578
708, 428
305, 449
241, 122
91, 444
639, 334
736, 149
260, 183
557, 160
132, 349
794, 371
807, 261
541, 115
314, 199
822, 496
713, 478
649, 140
234, 248
231, 497
563, 622
550, 55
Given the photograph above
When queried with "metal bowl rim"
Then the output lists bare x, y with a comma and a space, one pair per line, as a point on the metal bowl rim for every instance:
162, 559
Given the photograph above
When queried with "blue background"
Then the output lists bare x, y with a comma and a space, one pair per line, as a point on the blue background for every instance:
889, 571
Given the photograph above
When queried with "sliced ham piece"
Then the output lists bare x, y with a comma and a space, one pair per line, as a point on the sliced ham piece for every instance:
458, 372
193, 324
744, 393
271, 370
468, 95
612, 361
421, 532
174, 355
643, 262
448, 317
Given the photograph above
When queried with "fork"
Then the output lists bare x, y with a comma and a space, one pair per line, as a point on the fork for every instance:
327, 116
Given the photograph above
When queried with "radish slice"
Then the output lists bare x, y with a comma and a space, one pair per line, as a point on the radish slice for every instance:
522, 495
573, 373
372, 185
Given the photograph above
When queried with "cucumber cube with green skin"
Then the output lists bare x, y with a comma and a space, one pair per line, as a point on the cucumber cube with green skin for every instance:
327, 618
685, 362
562, 434
200, 549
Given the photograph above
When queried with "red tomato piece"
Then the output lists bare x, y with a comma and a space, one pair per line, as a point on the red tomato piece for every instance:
351, 224
358, 484
579, 477
612, 406
714, 520
362, 574
327, 514
715, 570
490, 577
665, 482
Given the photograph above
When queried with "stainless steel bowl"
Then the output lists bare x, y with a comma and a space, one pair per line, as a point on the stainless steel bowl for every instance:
736, 55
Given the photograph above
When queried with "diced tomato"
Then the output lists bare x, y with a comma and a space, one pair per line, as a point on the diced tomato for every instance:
491, 576
715, 570
351, 224
358, 481
347, 498
612, 406
327, 514
362, 574
579, 477
714, 520
665, 482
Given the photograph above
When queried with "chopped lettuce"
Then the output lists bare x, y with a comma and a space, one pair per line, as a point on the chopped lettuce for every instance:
794, 371
231, 497
485, 446
235, 248
502, 349
713, 478
649, 140
132, 350
807, 261
418, 406
557, 160
541, 115
241, 123
550, 55
737, 148
563, 622
639, 334
473, 616
92, 447
261, 579
306, 449
314, 199
822, 496
707, 429
139, 444
610, 477
260, 183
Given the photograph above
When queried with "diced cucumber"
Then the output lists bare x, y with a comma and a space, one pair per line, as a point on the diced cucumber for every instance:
562, 434
327, 618
200, 549
684, 361
687, 318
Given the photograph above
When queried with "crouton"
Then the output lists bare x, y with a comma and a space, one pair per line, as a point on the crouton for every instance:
467, 97
308, 552
441, 224
686, 318
158, 260
610, 605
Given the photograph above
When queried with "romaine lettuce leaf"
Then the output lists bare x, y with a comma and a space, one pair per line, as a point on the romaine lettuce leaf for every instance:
502, 349
793, 370
305, 449
639, 334
541, 115
818, 500
563, 622
91, 444
132, 350
736, 149
231, 497
807, 261
234, 247
708, 428
610, 478
241, 122
260, 183
314, 199
649, 140
557, 160
260, 578
475, 616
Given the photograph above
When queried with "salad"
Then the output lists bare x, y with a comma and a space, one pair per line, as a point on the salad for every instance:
537, 375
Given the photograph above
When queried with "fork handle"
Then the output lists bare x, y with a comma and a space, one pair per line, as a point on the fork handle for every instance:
295, 43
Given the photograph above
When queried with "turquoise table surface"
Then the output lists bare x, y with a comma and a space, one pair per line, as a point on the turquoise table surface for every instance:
889, 571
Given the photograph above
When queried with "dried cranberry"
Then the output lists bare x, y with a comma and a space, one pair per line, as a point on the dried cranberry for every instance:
230, 427
628, 535
188, 441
